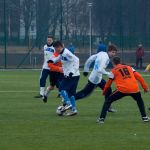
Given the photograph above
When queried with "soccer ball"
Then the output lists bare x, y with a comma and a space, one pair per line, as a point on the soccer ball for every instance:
58, 110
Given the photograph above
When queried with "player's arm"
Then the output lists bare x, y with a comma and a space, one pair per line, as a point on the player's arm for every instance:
142, 81
55, 68
54, 59
88, 62
108, 83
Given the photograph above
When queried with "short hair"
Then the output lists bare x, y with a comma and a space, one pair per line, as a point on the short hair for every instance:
116, 60
58, 44
49, 36
112, 48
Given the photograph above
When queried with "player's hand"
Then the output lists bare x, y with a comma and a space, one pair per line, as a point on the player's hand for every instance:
70, 74
50, 61
85, 74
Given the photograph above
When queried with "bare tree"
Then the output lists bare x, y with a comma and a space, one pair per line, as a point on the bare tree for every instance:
28, 14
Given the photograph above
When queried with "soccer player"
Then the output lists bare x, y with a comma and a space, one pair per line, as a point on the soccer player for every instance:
125, 79
102, 60
48, 52
56, 76
70, 65
147, 68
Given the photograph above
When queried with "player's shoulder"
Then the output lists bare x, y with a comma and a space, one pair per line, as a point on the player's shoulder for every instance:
45, 46
129, 67
66, 50
121, 66
103, 55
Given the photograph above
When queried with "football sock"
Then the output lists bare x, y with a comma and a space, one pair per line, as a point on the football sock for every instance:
73, 103
47, 91
64, 94
42, 90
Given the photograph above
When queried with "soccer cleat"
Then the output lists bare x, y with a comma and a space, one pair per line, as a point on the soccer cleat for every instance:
44, 99
72, 113
146, 119
112, 110
100, 120
66, 107
38, 96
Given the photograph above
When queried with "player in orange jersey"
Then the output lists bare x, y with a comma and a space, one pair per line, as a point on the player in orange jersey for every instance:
56, 75
125, 79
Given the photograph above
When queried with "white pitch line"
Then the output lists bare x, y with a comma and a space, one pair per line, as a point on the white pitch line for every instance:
55, 91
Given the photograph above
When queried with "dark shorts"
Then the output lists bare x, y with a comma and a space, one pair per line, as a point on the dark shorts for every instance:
55, 78
69, 84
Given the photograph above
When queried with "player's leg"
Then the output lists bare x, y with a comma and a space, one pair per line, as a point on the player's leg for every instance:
137, 63
101, 85
43, 77
72, 93
115, 96
59, 80
87, 90
138, 98
53, 80
141, 63
64, 88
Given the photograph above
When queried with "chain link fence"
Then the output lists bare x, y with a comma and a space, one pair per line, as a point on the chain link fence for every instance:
25, 24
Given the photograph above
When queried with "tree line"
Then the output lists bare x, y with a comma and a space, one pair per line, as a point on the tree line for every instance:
70, 18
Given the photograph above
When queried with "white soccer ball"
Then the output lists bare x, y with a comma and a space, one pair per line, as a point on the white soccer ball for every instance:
58, 110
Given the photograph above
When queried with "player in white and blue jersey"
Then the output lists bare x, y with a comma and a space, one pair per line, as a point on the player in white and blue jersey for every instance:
101, 61
48, 53
68, 86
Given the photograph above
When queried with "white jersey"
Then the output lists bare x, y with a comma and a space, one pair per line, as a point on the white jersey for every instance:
48, 53
70, 63
101, 62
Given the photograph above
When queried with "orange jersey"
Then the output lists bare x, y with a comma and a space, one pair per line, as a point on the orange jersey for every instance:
57, 67
124, 79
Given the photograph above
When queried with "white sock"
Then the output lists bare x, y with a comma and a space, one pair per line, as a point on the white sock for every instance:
42, 90
47, 91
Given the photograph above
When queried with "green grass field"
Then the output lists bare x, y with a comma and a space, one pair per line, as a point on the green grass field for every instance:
29, 124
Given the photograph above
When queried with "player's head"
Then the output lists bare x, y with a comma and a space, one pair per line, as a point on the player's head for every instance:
49, 40
116, 60
112, 50
58, 46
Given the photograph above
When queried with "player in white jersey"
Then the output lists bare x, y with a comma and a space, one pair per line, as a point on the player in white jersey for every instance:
68, 86
101, 61
48, 53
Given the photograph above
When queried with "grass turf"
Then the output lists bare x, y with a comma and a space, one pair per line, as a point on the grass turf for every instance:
29, 124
